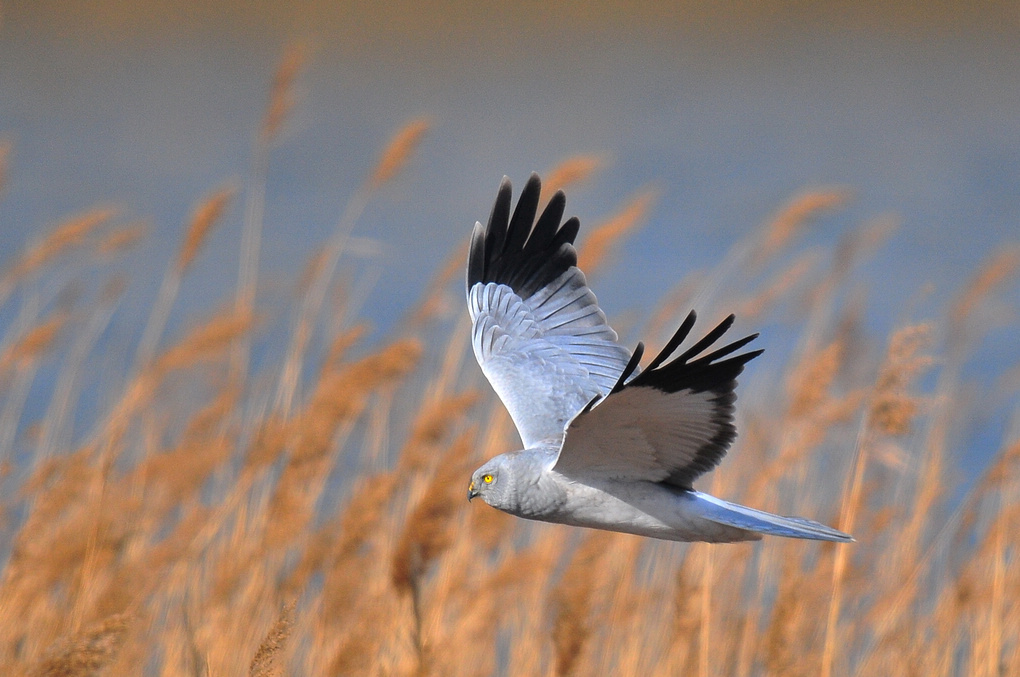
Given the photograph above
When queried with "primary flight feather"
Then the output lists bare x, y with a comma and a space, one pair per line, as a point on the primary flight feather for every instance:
607, 445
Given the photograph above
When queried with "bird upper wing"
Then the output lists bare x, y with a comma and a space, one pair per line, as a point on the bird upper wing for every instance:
670, 423
537, 330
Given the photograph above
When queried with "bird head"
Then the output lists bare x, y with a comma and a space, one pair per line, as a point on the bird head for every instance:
493, 483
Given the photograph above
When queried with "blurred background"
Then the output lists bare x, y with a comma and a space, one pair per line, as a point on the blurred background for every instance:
186, 484
725, 110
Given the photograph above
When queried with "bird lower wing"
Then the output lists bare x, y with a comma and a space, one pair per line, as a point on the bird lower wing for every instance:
670, 423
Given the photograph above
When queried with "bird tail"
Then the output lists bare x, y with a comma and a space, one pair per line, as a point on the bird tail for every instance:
739, 516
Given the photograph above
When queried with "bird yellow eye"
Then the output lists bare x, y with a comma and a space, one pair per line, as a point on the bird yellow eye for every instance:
487, 479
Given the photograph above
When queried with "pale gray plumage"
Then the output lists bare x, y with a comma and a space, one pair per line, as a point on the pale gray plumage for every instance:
607, 446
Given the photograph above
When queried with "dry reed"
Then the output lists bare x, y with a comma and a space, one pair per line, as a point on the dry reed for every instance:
794, 216
277, 112
122, 240
398, 153
85, 653
168, 538
570, 172
34, 343
206, 216
281, 94
66, 236
571, 600
428, 530
605, 236
262, 664
995, 272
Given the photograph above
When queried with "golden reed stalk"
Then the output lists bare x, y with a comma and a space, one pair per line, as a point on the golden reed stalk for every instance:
170, 538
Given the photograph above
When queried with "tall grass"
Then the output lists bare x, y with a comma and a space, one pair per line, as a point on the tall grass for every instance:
307, 514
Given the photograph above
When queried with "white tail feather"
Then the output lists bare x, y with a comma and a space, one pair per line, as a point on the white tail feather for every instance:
742, 517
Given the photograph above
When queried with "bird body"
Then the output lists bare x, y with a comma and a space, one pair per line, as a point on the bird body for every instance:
641, 508
607, 444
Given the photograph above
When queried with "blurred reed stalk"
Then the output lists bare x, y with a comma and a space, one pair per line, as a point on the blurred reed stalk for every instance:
281, 101
291, 520
392, 161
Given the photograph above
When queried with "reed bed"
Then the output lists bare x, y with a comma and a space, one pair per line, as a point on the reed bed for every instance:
305, 515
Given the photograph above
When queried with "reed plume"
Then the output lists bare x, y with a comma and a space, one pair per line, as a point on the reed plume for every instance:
85, 653
66, 236
795, 216
399, 152
281, 94
604, 237
571, 171
571, 602
206, 216
427, 532
263, 663
200, 511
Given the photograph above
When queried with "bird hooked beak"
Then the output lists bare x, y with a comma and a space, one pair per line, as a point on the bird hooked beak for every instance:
472, 492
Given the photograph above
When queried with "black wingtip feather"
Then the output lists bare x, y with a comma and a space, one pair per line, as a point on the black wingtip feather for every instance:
567, 233
524, 215
545, 229
714, 373
510, 250
726, 350
698, 374
632, 365
710, 338
707, 373
476, 255
674, 342
499, 220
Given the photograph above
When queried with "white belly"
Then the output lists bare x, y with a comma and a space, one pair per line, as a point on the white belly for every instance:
641, 508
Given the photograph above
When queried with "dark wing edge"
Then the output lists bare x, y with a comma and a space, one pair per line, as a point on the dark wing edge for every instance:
509, 251
538, 333
694, 372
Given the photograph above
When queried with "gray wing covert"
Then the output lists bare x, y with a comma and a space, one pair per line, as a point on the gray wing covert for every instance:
537, 331
670, 424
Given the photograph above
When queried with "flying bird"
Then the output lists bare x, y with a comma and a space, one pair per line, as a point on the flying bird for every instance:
607, 445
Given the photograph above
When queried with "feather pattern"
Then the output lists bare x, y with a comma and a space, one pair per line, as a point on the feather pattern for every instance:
670, 423
537, 330
607, 445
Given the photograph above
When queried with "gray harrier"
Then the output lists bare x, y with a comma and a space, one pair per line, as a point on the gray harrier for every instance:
607, 445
